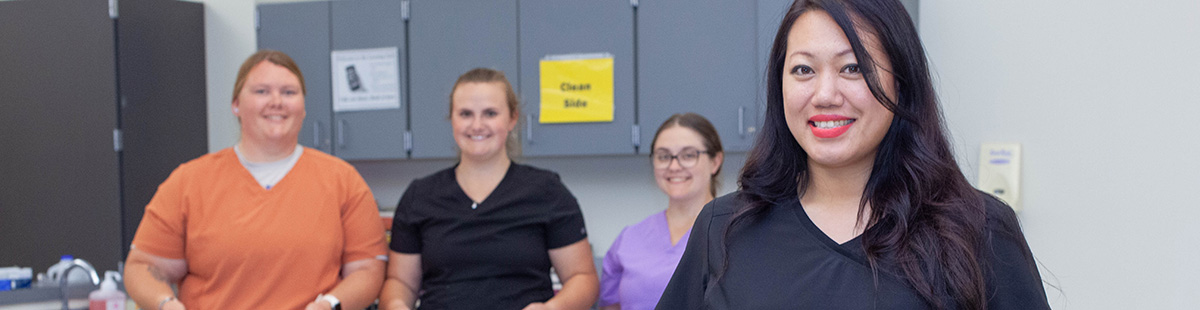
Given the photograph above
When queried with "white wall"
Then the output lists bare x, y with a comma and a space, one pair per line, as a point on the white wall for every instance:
1099, 94
1102, 96
230, 37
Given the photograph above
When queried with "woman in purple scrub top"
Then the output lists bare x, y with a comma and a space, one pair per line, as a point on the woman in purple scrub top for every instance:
686, 155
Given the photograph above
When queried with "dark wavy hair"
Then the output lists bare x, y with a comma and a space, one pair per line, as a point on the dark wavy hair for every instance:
926, 221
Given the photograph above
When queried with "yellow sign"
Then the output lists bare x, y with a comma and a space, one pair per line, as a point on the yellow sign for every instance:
577, 90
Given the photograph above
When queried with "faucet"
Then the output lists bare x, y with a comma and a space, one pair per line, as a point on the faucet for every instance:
62, 280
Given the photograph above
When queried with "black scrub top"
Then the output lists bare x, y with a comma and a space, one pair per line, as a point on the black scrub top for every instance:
781, 260
492, 256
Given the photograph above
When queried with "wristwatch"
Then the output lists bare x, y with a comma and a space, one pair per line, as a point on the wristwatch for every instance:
334, 303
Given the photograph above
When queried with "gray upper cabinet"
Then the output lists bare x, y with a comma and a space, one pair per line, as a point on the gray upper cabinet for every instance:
770, 15
669, 56
368, 24
558, 27
302, 31
698, 56
447, 38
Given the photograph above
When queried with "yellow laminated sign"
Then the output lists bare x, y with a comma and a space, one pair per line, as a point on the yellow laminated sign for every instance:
577, 90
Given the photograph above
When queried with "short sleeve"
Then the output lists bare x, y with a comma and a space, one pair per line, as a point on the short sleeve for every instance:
565, 224
163, 229
406, 236
612, 269
361, 223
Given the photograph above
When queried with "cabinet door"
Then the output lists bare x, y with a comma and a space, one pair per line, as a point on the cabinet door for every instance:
556, 27
698, 56
366, 24
59, 178
302, 31
448, 38
163, 101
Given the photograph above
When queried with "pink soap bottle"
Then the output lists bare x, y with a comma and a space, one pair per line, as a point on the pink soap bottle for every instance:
108, 297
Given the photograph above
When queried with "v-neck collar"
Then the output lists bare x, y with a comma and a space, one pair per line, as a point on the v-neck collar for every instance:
846, 249
463, 193
248, 178
666, 226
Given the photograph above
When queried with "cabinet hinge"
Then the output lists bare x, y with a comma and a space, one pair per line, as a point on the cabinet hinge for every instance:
112, 9
408, 141
117, 145
637, 136
633, 3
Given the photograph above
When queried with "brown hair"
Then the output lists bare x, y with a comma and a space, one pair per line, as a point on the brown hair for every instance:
273, 56
708, 133
485, 75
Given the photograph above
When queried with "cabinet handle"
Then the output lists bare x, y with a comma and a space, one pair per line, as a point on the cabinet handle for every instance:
317, 135
341, 136
742, 122
529, 128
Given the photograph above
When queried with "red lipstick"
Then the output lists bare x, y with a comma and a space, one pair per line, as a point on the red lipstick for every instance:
829, 132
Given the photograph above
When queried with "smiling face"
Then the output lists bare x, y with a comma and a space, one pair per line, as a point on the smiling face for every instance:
481, 119
829, 109
673, 178
270, 105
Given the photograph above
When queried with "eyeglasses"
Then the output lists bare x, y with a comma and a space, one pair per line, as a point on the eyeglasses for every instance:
687, 158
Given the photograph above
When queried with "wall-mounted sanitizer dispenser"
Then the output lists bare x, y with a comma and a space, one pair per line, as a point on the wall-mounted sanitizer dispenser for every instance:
1000, 172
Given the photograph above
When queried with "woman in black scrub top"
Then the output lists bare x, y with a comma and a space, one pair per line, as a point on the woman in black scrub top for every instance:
484, 233
851, 197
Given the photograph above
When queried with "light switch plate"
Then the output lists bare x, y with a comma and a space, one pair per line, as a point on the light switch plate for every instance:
1000, 172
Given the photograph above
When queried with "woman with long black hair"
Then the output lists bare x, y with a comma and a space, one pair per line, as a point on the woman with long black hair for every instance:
851, 197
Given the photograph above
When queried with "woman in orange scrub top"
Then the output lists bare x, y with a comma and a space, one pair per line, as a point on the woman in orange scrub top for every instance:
266, 224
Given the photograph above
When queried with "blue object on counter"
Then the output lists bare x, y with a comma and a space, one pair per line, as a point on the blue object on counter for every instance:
12, 278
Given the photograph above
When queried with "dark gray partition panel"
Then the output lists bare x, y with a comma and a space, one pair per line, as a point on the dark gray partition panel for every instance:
698, 56
59, 175
164, 104
553, 27
447, 38
302, 31
365, 24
